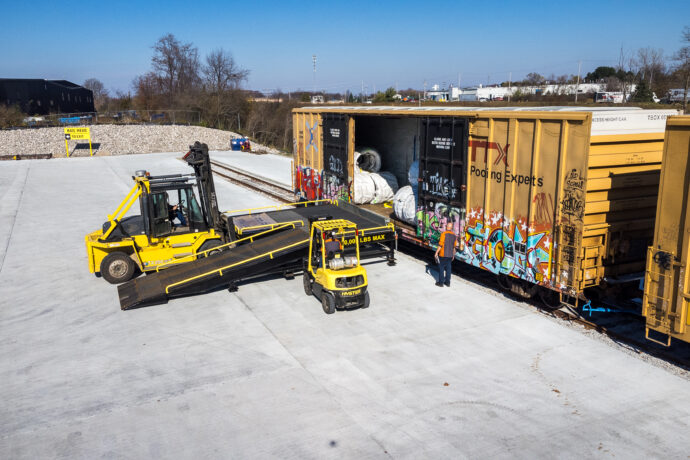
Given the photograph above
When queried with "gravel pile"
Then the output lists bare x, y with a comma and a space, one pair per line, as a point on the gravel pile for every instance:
118, 140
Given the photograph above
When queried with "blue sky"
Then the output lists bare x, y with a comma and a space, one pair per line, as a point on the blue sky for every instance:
380, 43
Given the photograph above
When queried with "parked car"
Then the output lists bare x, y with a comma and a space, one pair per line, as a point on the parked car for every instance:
675, 95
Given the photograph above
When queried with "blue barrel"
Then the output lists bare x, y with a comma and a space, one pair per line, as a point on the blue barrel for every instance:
236, 144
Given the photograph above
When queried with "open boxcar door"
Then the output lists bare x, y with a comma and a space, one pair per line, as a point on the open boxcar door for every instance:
442, 176
335, 181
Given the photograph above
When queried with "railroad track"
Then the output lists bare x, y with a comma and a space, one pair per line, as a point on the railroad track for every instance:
631, 340
265, 186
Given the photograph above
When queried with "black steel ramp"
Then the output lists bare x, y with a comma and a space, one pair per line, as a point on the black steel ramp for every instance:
221, 270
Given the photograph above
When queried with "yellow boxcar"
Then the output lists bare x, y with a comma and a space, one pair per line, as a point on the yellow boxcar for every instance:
558, 197
667, 279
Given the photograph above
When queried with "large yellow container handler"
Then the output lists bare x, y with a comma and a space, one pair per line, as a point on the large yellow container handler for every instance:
150, 239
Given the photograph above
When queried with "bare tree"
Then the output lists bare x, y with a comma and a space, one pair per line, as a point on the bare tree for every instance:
682, 57
221, 72
188, 74
625, 73
561, 84
147, 88
650, 62
222, 76
176, 64
100, 94
534, 79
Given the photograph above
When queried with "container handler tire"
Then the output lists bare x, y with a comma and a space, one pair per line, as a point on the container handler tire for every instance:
328, 303
210, 244
366, 300
117, 267
307, 283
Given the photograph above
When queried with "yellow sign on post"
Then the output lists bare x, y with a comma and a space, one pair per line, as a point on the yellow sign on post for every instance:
75, 134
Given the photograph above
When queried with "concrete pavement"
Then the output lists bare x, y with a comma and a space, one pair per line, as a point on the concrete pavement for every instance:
426, 372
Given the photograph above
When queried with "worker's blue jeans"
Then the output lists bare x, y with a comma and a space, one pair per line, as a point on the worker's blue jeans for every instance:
180, 216
444, 264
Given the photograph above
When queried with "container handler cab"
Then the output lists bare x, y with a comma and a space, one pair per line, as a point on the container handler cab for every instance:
333, 271
151, 239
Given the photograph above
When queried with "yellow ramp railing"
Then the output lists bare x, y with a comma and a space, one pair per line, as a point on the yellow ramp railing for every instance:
276, 225
251, 238
278, 207
219, 271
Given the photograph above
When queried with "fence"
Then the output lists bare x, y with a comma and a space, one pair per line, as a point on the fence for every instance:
163, 117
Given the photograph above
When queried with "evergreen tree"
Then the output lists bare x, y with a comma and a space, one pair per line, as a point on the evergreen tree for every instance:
642, 93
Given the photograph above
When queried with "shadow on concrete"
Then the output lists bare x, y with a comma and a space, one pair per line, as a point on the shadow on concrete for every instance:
625, 327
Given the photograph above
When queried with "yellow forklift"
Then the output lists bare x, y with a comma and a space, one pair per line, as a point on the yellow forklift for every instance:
333, 271
178, 218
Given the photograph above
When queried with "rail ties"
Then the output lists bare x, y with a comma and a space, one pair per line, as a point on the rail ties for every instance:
249, 180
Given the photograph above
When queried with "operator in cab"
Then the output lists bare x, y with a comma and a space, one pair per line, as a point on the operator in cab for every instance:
332, 245
174, 211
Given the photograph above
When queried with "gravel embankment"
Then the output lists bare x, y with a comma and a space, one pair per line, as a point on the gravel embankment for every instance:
117, 140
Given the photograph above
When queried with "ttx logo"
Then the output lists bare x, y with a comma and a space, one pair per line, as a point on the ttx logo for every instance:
502, 151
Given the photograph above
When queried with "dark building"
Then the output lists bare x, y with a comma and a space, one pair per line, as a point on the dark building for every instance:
41, 97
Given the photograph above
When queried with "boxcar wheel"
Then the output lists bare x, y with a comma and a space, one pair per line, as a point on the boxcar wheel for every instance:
328, 302
306, 280
117, 268
549, 298
503, 281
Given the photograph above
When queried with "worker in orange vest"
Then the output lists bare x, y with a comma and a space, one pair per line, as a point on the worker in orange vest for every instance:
447, 245
332, 245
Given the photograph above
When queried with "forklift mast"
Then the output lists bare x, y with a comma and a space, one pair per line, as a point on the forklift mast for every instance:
198, 158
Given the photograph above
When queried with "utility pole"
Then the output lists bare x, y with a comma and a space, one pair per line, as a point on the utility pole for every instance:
510, 84
459, 87
424, 89
577, 87
313, 58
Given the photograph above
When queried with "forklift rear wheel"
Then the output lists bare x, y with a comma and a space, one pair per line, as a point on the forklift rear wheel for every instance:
117, 267
366, 300
328, 303
307, 283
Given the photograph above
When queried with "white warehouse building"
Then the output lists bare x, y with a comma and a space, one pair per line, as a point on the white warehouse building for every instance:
498, 93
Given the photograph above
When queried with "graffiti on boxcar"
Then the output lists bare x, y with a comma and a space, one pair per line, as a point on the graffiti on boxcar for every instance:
335, 188
308, 182
568, 255
335, 165
573, 202
575, 180
432, 220
544, 209
508, 246
439, 186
